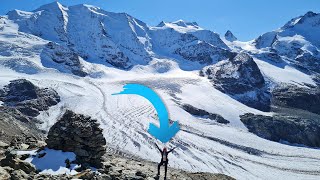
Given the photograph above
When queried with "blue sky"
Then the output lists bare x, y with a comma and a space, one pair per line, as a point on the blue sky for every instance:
247, 19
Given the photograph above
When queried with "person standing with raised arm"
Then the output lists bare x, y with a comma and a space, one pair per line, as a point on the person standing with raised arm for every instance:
164, 160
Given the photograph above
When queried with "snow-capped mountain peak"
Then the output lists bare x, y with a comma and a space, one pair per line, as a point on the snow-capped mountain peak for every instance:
229, 36
185, 24
118, 39
179, 22
310, 17
52, 7
307, 26
180, 26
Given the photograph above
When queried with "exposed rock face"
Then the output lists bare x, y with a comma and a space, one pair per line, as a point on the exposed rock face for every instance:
11, 160
299, 53
297, 97
201, 46
18, 130
210, 37
229, 36
265, 40
271, 56
12, 113
203, 53
200, 112
235, 76
292, 129
4, 174
28, 98
79, 134
22, 102
18, 175
62, 58
309, 62
241, 78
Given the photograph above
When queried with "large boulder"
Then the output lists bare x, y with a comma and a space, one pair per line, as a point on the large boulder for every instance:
241, 78
79, 134
280, 127
28, 98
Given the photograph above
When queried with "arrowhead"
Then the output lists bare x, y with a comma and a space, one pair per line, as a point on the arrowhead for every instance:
164, 134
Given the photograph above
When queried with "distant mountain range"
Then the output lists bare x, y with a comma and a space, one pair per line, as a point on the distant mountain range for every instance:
244, 107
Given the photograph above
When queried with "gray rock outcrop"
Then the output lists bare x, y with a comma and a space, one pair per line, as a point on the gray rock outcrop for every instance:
13, 161
237, 75
292, 96
280, 127
240, 78
63, 59
28, 98
203, 53
79, 134
202, 113
4, 174
22, 102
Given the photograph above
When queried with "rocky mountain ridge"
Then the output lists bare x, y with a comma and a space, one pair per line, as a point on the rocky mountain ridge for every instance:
117, 39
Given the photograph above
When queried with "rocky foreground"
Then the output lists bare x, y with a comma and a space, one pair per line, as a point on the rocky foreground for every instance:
13, 166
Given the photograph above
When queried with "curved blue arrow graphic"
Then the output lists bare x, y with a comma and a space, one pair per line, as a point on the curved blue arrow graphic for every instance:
165, 132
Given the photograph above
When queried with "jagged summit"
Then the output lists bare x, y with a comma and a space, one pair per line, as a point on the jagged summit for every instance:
229, 36
311, 14
161, 24
184, 24
310, 18
51, 6
180, 25
180, 22
308, 15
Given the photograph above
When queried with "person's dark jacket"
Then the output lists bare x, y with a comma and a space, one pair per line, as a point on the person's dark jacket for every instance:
161, 151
